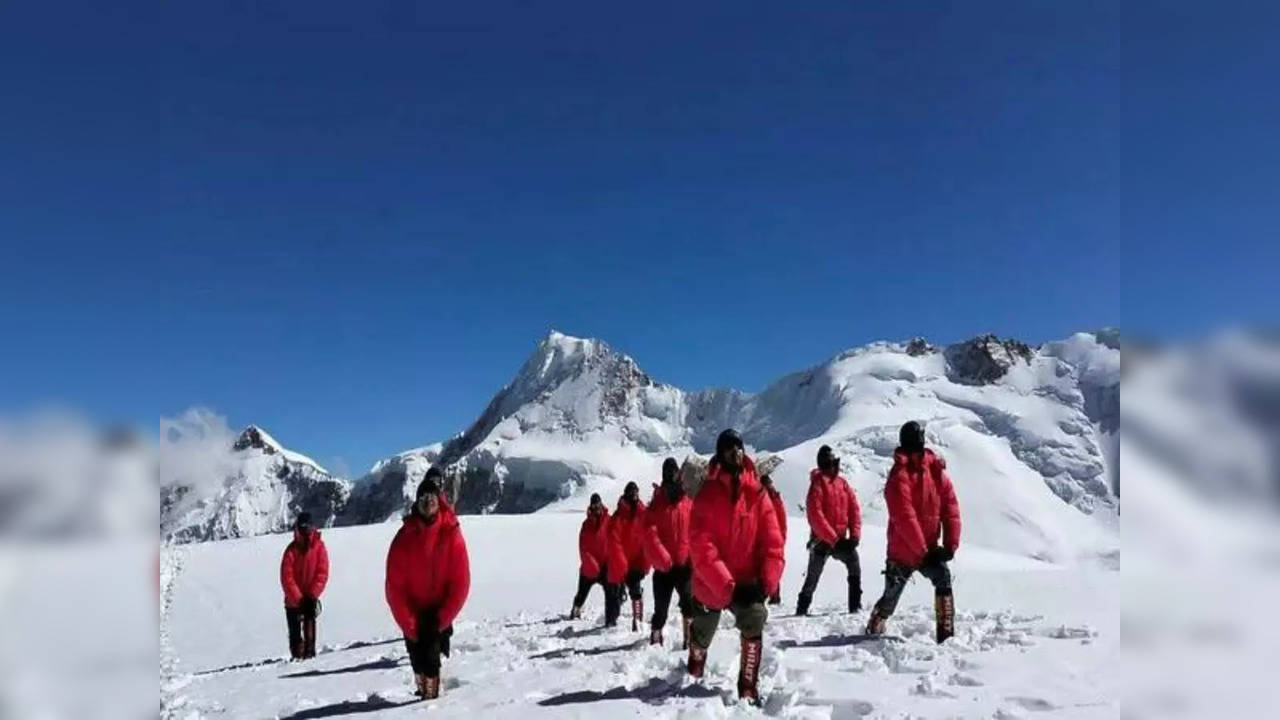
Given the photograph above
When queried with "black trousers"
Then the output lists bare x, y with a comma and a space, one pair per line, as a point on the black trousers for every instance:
424, 654
818, 560
895, 581
612, 600
633, 586
301, 622
678, 580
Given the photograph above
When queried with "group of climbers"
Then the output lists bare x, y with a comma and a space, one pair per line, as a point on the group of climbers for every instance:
722, 550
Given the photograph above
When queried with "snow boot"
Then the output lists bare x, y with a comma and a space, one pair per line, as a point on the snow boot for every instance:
855, 596
418, 687
686, 623
655, 636
749, 670
575, 613
637, 613
875, 625
697, 661
802, 604
944, 605
430, 687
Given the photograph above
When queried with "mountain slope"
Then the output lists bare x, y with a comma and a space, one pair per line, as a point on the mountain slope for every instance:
1029, 433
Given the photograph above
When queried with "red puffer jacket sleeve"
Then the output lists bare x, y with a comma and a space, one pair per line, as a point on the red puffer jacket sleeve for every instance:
907, 535
321, 578
815, 508
779, 512
590, 564
712, 581
616, 559
950, 508
855, 514
397, 585
458, 586
288, 581
769, 547
654, 551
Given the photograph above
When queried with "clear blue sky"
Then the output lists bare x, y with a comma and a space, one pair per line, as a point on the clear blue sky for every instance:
351, 225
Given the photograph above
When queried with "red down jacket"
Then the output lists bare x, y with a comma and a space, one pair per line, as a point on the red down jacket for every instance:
666, 536
734, 538
779, 510
304, 569
922, 505
427, 569
593, 545
626, 530
832, 508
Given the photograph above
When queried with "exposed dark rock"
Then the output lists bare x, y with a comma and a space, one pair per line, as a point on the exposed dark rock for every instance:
984, 359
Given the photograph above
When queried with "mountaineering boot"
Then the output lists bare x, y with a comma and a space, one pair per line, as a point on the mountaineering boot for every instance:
944, 605
855, 595
802, 604
575, 613
697, 660
749, 670
637, 613
418, 685
875, 625
655, 636
430, 687
685, 624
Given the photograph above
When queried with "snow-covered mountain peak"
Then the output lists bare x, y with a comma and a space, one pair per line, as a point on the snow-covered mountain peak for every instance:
257, 438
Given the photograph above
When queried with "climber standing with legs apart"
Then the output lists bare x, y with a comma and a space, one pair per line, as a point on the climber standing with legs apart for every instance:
428, 578
628, 564
593, 561
780, 512
922, 506
666, 547
304, 571
737, 559
835, 528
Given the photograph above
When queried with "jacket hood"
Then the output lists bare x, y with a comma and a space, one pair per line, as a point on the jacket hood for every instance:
903, 457
312, 535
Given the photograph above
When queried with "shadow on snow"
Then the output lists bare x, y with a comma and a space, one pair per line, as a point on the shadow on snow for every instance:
836, 641
568, 652
380, 664
347, 707
654, 692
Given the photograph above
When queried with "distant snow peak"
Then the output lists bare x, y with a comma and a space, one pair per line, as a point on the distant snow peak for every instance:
260, 487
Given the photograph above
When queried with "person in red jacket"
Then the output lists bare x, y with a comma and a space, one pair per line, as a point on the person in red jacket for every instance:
428, 578
304, 571
667, 550
630, 565
736, 544
779, 511
922, 506
835, 528
593, 553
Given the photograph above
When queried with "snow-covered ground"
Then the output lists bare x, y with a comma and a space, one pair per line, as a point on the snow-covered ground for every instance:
1033, 639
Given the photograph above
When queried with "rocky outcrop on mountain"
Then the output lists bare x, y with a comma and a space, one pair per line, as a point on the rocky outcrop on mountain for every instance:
984, 359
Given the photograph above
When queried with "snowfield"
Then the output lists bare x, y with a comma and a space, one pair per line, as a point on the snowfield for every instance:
1033, 639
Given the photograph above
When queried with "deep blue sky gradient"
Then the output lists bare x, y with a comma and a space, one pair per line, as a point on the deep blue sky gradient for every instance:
350, 223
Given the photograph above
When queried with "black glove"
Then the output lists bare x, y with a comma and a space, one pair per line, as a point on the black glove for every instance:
821, 547
444, 640
937, 556
748, 594
308, 605
844, 547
